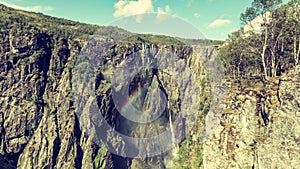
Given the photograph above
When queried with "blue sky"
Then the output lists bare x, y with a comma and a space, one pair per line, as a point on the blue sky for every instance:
213, 18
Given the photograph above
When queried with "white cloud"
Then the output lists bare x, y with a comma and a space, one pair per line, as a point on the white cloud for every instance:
138, 8
36, 8
197, 15
219, 23
162, 12
129, 8
168, 9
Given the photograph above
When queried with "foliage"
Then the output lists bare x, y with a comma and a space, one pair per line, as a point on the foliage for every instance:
152, 39
99, 160
18, 21
190, 154
268, 51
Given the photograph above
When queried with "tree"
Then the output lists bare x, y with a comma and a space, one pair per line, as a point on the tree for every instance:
284, 37
239, 60
262, 9
293, 25
267, 47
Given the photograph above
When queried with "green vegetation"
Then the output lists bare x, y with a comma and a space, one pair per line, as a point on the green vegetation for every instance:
99, 160
190, 154
19, 23
217, 42
267, 51
248, 167
12, 19
152, 39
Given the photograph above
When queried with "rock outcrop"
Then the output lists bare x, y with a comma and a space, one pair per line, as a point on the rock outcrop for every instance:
259, 127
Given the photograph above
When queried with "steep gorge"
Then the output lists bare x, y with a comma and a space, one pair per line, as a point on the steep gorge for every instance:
254, 124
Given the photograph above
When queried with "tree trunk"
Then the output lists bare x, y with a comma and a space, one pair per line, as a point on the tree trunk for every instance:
263, 53
273, 52
295, 51
298, 53
273, 64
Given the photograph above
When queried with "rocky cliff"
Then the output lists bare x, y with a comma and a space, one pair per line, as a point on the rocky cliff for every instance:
259, 127
40, 124
39, 128
51, 68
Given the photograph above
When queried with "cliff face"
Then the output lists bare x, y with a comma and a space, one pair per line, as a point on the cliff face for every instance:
40, 127
259, 127
34, 83
163, 82
47, 94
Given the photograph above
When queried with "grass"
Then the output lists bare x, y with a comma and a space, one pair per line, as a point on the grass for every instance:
190, 154
99, 160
